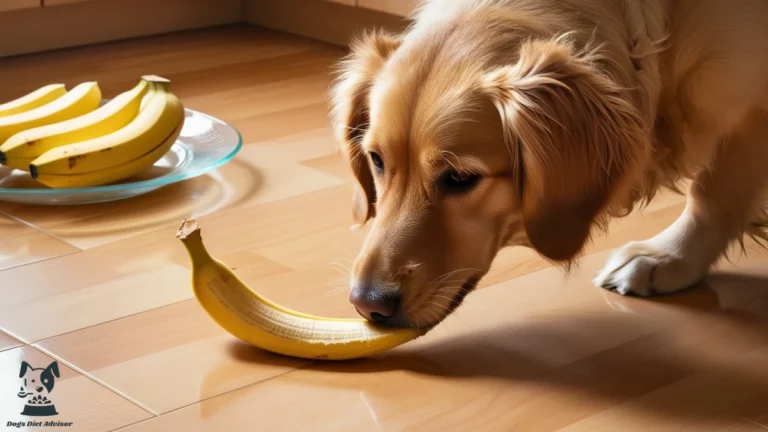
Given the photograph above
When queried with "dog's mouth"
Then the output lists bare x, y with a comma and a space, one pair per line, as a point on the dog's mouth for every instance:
432, 318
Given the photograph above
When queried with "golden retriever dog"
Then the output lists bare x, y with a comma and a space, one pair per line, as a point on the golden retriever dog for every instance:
496, 123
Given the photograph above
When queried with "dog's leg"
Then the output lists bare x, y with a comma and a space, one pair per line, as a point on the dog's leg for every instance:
725, 202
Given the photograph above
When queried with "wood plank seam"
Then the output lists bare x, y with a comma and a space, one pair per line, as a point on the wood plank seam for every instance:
94, 379
104, 322
253, 384
18, 338
36, 228
758, 424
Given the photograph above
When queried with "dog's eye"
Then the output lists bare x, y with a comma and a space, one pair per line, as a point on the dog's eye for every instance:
377, 162
457, 182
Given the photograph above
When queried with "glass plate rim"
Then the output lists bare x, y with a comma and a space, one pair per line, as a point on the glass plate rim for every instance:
161, 181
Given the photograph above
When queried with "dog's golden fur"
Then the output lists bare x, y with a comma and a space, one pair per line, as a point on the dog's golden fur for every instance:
553, 116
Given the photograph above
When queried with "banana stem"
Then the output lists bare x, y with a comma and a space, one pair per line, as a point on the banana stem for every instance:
160, 82
189, 234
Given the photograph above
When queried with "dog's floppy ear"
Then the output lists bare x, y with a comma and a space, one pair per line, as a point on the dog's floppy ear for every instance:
350, 113
53, 368
24, 367
574, 138
47, 375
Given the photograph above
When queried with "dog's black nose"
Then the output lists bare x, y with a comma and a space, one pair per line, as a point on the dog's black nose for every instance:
39, 389
372, 304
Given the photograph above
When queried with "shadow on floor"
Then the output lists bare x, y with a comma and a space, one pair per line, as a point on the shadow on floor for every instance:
707, 337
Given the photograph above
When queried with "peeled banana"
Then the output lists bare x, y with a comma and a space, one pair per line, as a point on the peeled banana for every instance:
82, 99
32, 100
159, 119
260, 322
20, 149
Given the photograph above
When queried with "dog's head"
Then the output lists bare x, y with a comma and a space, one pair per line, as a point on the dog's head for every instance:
37, 383
466, 140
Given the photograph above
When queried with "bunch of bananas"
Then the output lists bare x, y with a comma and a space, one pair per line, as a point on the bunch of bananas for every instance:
68, 139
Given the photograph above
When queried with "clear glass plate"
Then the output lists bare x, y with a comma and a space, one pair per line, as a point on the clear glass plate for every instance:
205, 143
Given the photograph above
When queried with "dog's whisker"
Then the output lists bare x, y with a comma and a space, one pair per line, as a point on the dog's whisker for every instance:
446, 295
335, 290
450, 300
435, 314
345, 259
338, 265
447, 289
340, 271
418, 322
447, 275
331, 292
438, 305
349, 256
451, 273
445, 281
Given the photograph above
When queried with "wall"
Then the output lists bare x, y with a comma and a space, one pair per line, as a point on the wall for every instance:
328, 21
28, 26
87, 22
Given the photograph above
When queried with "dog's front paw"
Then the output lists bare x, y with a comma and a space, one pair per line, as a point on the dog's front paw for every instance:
644, 270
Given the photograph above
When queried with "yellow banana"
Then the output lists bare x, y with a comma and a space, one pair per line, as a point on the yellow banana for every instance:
32, 100
161, 115
108, 175
262, 323
82, 99
21, 148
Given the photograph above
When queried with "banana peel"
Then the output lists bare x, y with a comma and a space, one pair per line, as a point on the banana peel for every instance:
258, 321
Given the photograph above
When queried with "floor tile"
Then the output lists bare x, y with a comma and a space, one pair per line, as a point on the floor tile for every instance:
709, 333
8, 342
555, 353
119, 64
22, 244
258, 66
232, 105
257, 175
133, 354
272, 125
333, 164
151, 270
77, 399
114, 288
178, 345
308, 145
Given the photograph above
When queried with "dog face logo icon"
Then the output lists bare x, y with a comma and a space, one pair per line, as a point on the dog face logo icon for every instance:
36, 386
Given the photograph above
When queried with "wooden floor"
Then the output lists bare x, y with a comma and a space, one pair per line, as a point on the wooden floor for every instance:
105, 291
